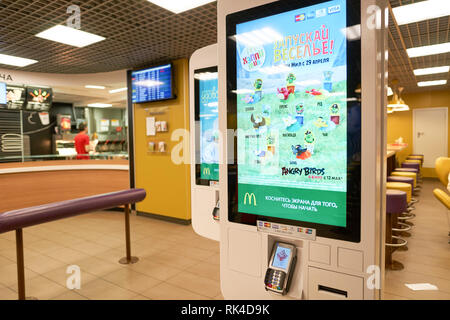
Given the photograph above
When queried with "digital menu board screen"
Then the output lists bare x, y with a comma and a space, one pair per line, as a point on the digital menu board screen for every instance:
290, 91
15, 97
152, 84
2, 93
39, 99
207, 115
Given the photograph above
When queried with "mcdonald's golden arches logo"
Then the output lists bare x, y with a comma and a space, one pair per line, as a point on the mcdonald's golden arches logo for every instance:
206, 171
250, 197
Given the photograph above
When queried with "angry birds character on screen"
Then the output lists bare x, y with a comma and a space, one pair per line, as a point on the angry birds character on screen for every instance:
258, 90
290, 83
309, 141
300, 152
271, 144
283, 94
266, 114
324, 126
259, 123
314, 92
257, 96
299, 110
328, 84
291, 124
334, 109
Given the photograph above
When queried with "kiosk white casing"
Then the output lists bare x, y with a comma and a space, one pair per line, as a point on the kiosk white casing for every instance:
338, 264
203, 198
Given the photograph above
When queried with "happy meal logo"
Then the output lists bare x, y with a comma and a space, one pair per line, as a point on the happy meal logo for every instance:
252, 58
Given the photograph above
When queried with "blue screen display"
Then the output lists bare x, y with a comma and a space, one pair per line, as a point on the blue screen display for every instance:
2, 93
152, 84
209, 126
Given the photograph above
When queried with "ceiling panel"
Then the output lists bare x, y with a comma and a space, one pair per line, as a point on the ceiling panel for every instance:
139, 33
417, 34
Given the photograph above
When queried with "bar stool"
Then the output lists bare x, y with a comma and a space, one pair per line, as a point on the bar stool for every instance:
404, 180
407, 175
417, 163
403, 187
420, 158
396, 202
411, 167
413, 161
407, 170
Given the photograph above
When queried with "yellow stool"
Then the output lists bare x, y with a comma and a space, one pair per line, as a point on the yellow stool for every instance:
406, 187
406, 174
415, 158
414, 161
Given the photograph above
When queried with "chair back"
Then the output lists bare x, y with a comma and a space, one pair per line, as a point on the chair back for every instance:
442, 166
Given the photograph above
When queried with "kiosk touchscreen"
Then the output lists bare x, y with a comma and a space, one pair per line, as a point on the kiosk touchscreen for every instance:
293, 74
207, 117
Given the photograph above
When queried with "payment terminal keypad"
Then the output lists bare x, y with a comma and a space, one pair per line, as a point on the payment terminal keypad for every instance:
275, 280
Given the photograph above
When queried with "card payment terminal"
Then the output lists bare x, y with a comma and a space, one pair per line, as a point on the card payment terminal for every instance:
281, 267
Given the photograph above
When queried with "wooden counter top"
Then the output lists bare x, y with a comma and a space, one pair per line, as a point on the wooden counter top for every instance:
57, 165
41, 182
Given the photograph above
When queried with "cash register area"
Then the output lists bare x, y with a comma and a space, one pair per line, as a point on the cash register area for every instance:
61, 85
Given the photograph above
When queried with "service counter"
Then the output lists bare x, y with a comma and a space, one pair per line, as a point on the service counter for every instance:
391, 156
40, 182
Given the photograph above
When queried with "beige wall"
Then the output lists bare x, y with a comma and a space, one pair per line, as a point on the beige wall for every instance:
400, 124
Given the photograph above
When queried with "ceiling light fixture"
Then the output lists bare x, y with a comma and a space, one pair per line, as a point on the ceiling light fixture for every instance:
100, 105
95, 87
177, 6
70, 36
118, 90
15, 61
434, 70
397, 103
431, 83
389, 92
428, 50
420, 11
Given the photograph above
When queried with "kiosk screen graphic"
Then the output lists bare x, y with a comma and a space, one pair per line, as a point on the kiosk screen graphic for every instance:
209, 125
291, 89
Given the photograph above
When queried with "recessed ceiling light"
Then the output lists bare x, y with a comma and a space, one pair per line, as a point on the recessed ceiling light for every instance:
431, 83
15, 61
100, 105
177, 6
421, 72
421, 11
118, 90
428, 50
70, 36
95, 87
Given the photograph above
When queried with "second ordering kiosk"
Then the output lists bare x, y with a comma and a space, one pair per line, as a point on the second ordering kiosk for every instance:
302, 87
205, 139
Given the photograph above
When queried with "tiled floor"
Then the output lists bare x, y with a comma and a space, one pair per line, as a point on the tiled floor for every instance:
428, 257
175, 263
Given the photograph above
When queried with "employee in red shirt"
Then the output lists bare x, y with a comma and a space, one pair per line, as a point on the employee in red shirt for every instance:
82, 143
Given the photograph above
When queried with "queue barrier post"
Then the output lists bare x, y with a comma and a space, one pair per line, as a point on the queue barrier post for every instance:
128, 259
18, 219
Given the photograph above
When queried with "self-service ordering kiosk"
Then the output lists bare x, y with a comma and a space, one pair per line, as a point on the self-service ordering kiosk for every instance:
302, 87
205, 139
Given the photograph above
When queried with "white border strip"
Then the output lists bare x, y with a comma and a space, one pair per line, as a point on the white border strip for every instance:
66, 168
